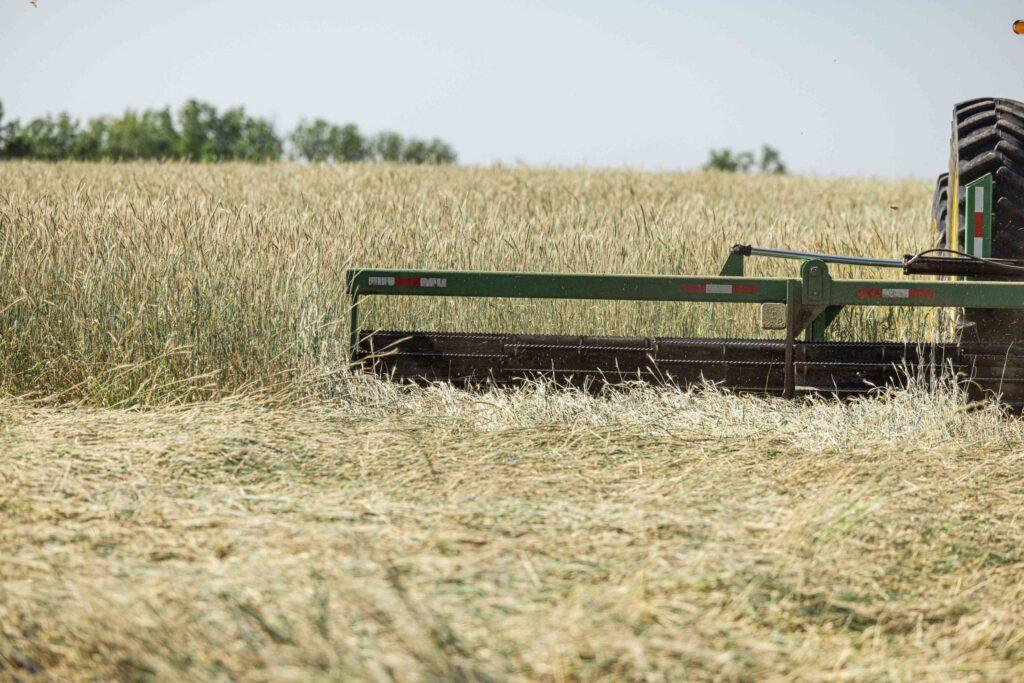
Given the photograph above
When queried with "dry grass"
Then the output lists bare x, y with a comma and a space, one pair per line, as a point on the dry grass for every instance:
432, 534
325, 526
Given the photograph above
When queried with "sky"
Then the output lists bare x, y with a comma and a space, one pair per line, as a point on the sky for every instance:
850, 89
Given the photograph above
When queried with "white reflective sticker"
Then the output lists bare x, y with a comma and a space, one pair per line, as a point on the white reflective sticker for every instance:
433, 282
896, 293
717, 289
382, 281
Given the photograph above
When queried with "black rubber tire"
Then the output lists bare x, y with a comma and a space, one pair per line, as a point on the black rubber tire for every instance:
988, 137
940, 210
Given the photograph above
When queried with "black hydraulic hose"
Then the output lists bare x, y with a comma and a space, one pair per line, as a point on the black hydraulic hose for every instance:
1001, 263
750, 250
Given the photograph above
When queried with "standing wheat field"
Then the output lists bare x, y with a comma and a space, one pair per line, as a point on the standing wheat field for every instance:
195, 486
156, 283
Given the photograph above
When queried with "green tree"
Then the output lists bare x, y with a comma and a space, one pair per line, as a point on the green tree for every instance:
743, 162
16, 144
160, 138
206, 135
199, 133
123, 138
388, 146
729, 161
46, 138
196, 122
312, 141
91, 143
150, 135
415, 151
347, 143
226, 135
258, 141
440, 152
771, 161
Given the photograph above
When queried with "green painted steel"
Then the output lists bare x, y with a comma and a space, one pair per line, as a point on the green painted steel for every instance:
941, 294
813, 301
816, 288
978, 220
820, 324
564, 286
817, 285
733, 265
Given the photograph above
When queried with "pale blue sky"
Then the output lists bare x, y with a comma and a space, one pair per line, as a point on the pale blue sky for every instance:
856, 88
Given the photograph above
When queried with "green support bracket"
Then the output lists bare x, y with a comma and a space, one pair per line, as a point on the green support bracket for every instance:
734, 264
817, 291
817, 283
978, 217
821, 323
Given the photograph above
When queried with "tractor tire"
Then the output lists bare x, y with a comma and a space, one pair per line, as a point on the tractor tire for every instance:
940, 210
988, 137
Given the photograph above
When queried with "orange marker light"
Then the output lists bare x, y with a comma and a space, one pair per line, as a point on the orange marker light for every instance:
1018, 27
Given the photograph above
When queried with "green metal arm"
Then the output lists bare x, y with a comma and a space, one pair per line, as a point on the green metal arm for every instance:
565, 286
815, 287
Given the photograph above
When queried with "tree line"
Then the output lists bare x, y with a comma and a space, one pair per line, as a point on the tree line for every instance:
198, 132
770, 161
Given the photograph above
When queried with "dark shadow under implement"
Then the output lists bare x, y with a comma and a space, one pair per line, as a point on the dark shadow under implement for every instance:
843, 369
